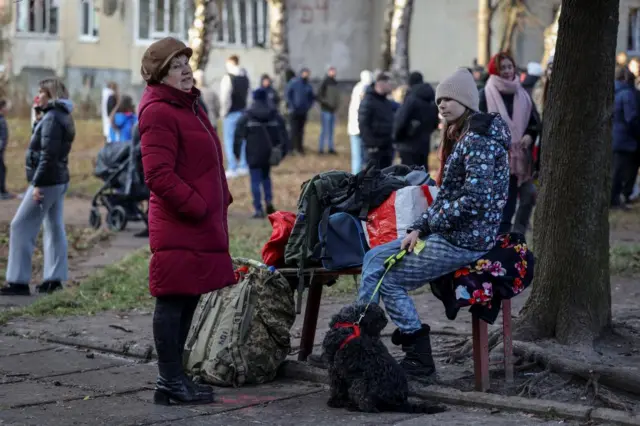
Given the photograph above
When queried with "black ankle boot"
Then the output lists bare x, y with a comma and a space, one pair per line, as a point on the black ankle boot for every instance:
418, 362
49, 287
12, 289
174, 386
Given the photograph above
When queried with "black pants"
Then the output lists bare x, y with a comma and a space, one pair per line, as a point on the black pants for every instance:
297, 123
383, 158
413, 159
171, 322
624, 165
627, 190
526, 194
3, 174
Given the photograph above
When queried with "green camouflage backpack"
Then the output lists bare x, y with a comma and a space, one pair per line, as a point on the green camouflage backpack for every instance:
240, 334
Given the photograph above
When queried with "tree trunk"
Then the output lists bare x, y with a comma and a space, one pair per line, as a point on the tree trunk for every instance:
511, 15
550, 37
385, 49
571, 297
484, 32
279, 40
205, 24
400, 31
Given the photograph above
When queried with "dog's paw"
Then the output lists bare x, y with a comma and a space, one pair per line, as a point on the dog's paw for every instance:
335, 403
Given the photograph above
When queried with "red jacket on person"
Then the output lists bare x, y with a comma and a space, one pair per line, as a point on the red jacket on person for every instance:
182, 160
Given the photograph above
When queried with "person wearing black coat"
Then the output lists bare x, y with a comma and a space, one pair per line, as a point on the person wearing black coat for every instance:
47, 172
375, 118
414, 123
264, 130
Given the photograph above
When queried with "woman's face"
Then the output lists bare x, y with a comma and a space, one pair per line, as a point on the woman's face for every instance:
450, 109
43, 98
507, 69
634, 67
180, 74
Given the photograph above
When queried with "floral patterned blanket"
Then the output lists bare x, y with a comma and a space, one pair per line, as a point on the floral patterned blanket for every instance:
504, 272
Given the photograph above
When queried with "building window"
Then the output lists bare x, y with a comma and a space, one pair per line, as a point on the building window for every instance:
164, 18
37, 17
244, 23
633, 38
88, 20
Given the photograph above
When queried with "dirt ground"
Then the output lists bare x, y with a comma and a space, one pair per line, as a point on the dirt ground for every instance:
76, 210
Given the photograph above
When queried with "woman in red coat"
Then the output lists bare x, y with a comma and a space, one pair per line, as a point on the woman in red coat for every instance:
188, 231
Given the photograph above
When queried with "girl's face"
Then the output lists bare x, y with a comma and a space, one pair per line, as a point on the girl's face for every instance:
507, 69
450, 109
43, 98
634, 67
180, 74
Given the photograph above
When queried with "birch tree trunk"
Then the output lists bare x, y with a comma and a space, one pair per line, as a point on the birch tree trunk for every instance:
484, 32
400, 31
279, 40
386, 57
571, 297
207, 15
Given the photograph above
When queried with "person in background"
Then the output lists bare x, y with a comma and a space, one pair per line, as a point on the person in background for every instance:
234, 97
366, 78
505, 95
110, 97
530, 78
4, 140
264, 130
139, 170
329, 99
632, 190
415, 121
300, 98
209, 99
622, 59
123, 118
47, 170
188, 211
272, 94
626, 134
375, 118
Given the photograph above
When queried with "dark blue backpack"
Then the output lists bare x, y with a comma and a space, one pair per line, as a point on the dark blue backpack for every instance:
342, 241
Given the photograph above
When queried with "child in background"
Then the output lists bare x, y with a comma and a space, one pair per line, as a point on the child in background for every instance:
123, 118
4, 140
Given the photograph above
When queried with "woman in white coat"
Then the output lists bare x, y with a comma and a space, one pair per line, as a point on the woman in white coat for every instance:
366, 78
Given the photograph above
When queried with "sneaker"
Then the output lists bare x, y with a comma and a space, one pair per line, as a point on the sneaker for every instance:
270, 209
243, 172
49, 287
332, 152
231, 174
142, 234
12, 289
258, 215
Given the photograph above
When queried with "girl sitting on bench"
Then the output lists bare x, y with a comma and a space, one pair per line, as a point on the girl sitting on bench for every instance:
458, 228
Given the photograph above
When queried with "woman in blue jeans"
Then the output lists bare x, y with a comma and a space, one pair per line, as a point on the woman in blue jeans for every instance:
48, 175
460, 226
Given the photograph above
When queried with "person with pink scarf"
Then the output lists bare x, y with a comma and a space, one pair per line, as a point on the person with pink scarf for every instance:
504, 94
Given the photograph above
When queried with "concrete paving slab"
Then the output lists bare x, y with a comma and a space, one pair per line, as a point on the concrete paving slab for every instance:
28, 393
10, 345
126, 378
55, 362
106, 411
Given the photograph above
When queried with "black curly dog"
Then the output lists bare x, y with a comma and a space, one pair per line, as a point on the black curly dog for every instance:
364, 376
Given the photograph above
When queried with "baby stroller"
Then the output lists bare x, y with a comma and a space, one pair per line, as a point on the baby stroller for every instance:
119, 165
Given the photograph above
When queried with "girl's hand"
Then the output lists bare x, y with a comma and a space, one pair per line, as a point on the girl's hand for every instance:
37, 195
409, 242
526, 141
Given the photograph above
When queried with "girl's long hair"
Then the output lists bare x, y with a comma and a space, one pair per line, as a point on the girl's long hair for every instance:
451, 134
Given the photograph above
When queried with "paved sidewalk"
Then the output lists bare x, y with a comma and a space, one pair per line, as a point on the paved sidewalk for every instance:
45, 384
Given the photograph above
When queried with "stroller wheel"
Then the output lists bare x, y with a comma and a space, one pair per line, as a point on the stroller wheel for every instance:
117, 218
95, 220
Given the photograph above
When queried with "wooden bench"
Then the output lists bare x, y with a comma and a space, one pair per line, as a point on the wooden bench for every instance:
317, 278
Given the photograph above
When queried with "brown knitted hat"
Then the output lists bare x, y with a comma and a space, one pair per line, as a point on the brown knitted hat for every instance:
158, 55
460, 87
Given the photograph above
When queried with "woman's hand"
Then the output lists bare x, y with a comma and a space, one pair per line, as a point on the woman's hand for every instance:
526, 141
37, 195
409, 242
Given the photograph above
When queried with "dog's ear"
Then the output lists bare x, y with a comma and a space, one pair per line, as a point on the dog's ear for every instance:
374, 321
347, 314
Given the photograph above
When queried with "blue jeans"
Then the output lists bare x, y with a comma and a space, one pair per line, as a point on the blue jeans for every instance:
260, 181
24, 230
229, 132
356, 153
327, 130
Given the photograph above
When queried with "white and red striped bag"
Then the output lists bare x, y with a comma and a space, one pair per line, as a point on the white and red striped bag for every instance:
390, 220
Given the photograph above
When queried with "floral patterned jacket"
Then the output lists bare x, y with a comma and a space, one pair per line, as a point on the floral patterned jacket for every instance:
468, 208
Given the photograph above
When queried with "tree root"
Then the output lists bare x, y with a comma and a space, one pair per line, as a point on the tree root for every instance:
603, 395
620, 378
528, 388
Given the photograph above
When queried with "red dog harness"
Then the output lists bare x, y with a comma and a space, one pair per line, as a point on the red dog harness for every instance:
354, 335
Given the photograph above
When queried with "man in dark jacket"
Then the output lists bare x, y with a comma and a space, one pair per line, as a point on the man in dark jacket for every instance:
415, 121
626, 133
375, 118
300, 99
264, 130
272, 94
4, 140
329, 100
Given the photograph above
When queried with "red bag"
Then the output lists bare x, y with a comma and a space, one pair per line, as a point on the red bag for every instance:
273, 250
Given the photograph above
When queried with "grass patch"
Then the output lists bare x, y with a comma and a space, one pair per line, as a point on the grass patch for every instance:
624, 259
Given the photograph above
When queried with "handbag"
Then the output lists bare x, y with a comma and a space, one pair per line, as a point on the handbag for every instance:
276, 153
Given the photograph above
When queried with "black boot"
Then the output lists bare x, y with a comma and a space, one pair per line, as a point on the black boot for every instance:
49, 287
174, 386
418, 362
12, 289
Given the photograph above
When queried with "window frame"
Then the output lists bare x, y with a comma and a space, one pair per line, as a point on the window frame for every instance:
155, 35
24, 6
252, 33
633, 35
94, 27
